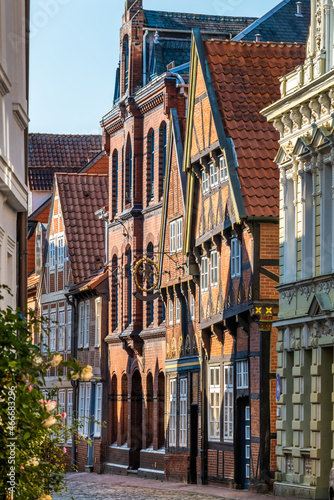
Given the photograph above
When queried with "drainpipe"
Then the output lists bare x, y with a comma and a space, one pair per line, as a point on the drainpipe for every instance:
145, 59
103, 214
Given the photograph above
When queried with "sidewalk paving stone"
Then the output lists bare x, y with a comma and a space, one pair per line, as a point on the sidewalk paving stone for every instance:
109, 487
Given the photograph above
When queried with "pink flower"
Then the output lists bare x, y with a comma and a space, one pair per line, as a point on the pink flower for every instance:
22, 468
64, 450
61, 424
64, 414
30, 388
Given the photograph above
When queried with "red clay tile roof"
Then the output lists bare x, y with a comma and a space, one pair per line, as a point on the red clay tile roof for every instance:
51, 153
91, 282
245, 79
81, 195
33, 281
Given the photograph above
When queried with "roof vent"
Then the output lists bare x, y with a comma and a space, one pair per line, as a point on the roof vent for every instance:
258, 37
299, 9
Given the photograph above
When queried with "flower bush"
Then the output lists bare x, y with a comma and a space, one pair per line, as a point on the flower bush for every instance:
31, 428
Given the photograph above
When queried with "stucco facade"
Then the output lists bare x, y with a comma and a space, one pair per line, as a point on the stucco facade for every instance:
14, 29
303, 116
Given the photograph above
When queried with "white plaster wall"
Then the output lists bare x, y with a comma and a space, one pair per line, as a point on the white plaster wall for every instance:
13, 122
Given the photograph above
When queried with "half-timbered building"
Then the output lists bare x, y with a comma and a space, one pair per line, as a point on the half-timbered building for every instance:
73, 251
151, 80
231, 240
178, 290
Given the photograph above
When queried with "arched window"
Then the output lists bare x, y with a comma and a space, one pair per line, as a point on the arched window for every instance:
128, 276
115, 182
162, 157
126, 62
114, 311
150, 305
113, 419
150, 166
149, 410
128, 172
124, 410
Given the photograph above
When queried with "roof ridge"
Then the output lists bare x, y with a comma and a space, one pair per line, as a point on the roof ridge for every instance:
64, 135
253, 42
209, 16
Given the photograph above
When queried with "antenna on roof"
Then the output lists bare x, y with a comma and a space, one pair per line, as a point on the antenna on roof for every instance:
258, 37
299, 9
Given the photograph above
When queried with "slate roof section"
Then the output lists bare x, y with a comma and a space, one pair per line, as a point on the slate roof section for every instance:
281, 24
245, 80
184, 21
52, 153
81, 195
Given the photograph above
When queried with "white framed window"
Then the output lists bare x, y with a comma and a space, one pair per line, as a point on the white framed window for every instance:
60, 251
44, 332
98, 305
183, 432
192, 307
235, 258
87, 410
81, 323
61, 404
223, 168
170, 312
179, 233
214, 403
69, 328
213, 175
69, 416
172, 411
81, 412
53, 331
177, 311
204, 274
61, 331
87, 321
214, 267
51, 254
228, 403
98, 410
172, 236
205, 182
242, 374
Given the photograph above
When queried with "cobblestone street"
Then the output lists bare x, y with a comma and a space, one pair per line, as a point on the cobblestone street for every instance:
108, 487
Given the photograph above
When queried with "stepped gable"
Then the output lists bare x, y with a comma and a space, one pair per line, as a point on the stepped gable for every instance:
245, 78
52, 153
81, 195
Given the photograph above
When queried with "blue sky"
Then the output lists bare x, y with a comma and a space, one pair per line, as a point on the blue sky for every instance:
74, 55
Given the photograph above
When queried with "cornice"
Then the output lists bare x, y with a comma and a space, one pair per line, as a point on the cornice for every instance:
5, 83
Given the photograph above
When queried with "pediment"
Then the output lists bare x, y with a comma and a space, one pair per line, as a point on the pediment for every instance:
320, 304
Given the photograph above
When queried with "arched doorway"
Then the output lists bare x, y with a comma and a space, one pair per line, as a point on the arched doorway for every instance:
136, 420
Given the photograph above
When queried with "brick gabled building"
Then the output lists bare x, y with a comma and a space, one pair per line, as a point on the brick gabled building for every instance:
135, 135
231, 239
73, 252
178, 290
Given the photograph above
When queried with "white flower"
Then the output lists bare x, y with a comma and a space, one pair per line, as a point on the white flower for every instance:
86, 373
33, 461
50, 405
38, 360
57, 358
49, 422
